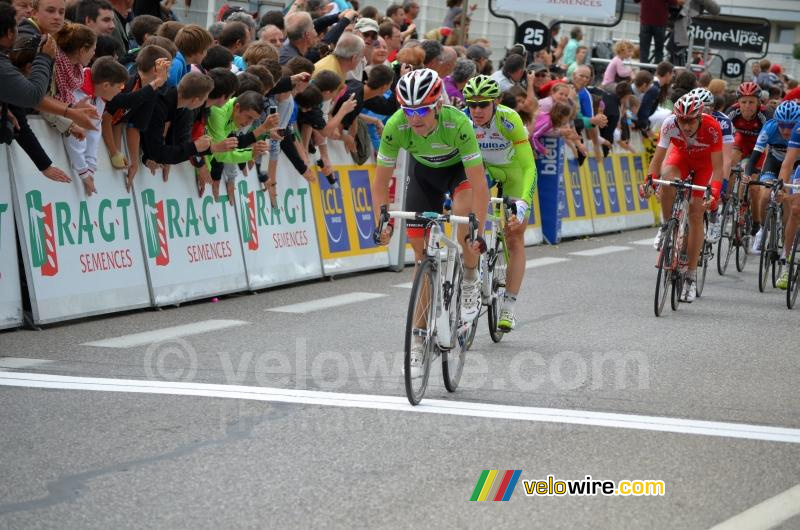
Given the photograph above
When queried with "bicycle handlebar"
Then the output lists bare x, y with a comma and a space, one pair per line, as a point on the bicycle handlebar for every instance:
470, 220
681, 184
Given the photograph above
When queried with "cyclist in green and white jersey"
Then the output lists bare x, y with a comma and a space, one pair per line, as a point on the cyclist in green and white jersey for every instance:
508, 157
445, 158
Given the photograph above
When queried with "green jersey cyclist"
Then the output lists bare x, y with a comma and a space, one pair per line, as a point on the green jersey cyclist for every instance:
508, 157
445, 158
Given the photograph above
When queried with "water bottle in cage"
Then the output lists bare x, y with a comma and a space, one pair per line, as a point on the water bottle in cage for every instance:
448, 203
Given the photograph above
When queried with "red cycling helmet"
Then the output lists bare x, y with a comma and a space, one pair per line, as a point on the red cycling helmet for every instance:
688, 107
748, 89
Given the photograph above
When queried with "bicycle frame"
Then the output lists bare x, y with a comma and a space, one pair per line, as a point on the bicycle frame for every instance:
680, 211
498, 219
441, 249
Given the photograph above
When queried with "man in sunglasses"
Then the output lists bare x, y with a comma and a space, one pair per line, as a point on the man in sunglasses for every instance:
508, 157
781, 135
444, 158
696, 140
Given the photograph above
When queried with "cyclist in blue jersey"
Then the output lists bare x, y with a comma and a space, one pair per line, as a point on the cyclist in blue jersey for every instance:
774, 135
710, 105
789, 169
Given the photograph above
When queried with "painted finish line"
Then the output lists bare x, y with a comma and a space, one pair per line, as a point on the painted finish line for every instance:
395, 403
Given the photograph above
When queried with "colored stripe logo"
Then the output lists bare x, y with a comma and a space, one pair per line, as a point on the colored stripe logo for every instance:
494, 485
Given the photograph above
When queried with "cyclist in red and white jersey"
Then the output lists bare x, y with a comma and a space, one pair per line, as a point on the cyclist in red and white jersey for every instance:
696, 140
748, 119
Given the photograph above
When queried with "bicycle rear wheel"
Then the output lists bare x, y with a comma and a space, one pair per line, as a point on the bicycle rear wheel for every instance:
665, 263
421, 312
765, 260
744, 240
777, 245
453, 359
498, 267
793, 287
725, 245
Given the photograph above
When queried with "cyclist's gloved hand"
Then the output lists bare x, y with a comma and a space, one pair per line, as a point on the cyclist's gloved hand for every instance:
648, 188
478, 244
716, 188
522, 210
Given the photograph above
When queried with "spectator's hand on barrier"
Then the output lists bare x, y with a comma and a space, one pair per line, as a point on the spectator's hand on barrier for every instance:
77, 132
88, 185
165, 171
228, 144
203, 143
203, 178
260, 147
309, 176
599, 120
53, 173
13, 120
84, 114
48, 46
152, 166
349, 143
119, 161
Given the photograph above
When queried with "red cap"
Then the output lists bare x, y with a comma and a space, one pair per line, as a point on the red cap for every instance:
776, 69
792, 94
545, 89
445, 32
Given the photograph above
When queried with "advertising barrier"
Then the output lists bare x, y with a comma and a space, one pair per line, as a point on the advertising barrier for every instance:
192, 243
10, 293
550, 189
82, 255
344, 217
279, 244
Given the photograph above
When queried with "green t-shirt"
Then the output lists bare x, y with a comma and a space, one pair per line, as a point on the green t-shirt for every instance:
452, 141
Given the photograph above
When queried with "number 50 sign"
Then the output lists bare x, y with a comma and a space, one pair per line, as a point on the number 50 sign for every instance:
533, 35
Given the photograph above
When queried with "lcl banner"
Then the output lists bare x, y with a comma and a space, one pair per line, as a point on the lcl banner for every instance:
600, 10
731, 33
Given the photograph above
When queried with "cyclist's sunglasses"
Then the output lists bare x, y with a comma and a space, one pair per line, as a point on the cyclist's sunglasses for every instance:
479, 104
786, 125
420, 112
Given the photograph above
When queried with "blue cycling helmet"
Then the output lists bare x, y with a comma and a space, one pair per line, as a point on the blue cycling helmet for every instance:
788, 112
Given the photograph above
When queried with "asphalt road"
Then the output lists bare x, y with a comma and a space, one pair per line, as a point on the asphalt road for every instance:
586, 340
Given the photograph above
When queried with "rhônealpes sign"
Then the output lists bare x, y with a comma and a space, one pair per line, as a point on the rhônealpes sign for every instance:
600, 10
731, 33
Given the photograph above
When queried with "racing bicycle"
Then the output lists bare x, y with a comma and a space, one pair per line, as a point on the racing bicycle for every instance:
737, 222
434, 309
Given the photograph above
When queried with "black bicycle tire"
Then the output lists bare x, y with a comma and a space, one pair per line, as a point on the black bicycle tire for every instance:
764, 259
494, 305
727, 217
425, 271
777, 265
793, 287
664, 274
744, 242
451, 374
703, 262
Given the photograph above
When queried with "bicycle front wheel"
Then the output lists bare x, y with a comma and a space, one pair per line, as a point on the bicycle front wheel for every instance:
725, 245
705, 254
793, 287
665, 264
453, 359
498, 271
765, 259
420, 340
744, 240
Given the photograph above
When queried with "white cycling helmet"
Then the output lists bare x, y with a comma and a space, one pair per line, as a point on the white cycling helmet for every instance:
703, 95
419, 87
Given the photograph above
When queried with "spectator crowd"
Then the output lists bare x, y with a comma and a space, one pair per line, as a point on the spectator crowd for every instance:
233, 97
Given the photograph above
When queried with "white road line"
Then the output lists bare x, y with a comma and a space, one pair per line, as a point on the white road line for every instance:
643, 242
767, 514
541, 262
600, 251
407, 285
397, 403
326, 303
21, 362
158, 335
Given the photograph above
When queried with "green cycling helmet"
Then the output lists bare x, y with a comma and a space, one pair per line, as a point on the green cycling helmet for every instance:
481, 87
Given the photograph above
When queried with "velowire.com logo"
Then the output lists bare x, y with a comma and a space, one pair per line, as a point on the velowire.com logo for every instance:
494, 485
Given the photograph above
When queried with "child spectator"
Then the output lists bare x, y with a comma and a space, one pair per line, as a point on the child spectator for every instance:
133, 108
217, 57
169, 29
617, 70
192, 42
167, 139
144, 26
102, 82
258, 51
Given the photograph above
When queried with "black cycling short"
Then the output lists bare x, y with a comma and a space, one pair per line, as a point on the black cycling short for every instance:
426, 189
772, 168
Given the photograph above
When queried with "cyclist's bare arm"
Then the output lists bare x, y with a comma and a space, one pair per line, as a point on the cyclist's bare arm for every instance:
788, 163
717, 163
658, 159
380, 189
480, 192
